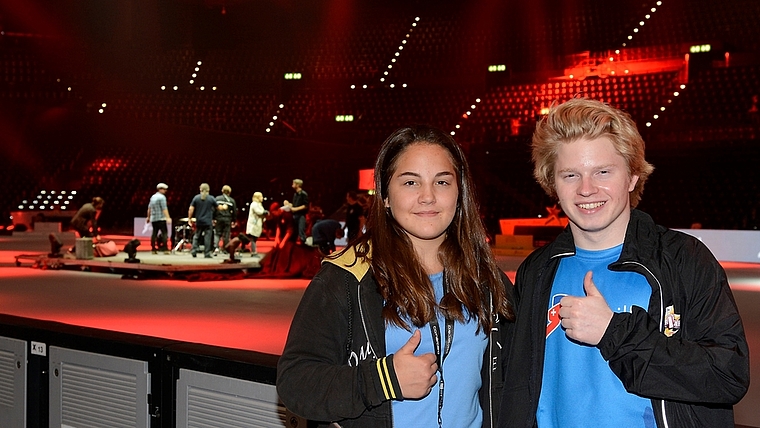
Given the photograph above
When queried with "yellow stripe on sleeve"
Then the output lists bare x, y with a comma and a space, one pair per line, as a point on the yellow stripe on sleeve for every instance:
382, 378
388, 378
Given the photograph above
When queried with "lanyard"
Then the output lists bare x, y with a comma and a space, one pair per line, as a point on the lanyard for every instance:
435, 330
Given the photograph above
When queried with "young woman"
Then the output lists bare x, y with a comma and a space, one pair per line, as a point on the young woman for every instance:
406, 326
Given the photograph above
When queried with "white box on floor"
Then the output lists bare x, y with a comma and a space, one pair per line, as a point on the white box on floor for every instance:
83, 249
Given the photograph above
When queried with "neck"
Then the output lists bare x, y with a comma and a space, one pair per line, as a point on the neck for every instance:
427, 254
611, 236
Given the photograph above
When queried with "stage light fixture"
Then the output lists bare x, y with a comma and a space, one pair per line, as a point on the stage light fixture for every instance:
131, 249
55, 246
233, 245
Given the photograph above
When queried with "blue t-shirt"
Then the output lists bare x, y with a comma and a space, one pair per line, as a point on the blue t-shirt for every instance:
579, 389
461, 373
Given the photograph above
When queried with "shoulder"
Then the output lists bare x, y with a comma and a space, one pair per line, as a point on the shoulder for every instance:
682, 245
349, 262
330, 282
540, 255
652, 237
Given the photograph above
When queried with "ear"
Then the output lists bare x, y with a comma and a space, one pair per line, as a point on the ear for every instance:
632, 184
385, 201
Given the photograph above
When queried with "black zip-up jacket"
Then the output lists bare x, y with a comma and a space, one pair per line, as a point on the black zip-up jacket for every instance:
334, 367
693, 377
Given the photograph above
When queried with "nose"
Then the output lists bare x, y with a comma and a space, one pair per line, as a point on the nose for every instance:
587, 187
426, 194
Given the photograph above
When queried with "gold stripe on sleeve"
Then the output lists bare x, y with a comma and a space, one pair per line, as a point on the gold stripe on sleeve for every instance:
382, 377
388, 378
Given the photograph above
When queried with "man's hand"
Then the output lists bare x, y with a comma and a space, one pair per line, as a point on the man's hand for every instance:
585, 319
416, 374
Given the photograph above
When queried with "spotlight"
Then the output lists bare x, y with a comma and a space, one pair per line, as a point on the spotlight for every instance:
233, 245
55, 246
131, 250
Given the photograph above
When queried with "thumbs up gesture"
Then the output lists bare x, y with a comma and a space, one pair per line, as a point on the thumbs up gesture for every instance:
585, 319
415, 374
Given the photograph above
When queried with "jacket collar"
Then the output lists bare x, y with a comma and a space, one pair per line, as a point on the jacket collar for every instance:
640, 236
348, 261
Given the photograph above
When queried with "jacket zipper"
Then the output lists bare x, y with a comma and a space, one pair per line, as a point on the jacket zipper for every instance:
490, 368
361, 316
661, 325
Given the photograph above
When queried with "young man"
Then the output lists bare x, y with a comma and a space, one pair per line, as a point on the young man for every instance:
225, 218
158, 215
620, 322
203, 207
299, 207
324, 233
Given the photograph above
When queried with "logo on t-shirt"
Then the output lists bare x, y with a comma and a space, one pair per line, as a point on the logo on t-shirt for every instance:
552, 316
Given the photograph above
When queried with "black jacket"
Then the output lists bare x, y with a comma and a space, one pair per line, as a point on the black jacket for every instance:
692, 377
228, 215
334, 362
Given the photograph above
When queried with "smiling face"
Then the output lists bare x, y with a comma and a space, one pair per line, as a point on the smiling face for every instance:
593, 186
422, 193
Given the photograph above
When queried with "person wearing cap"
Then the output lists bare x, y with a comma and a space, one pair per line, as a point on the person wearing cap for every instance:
158, 215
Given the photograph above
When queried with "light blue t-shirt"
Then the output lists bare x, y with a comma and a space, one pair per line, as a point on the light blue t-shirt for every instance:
461, 372
579, 389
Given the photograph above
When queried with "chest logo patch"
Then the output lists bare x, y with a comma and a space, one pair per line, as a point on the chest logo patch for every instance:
672, 321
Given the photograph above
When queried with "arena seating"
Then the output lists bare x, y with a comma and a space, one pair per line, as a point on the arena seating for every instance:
239, 102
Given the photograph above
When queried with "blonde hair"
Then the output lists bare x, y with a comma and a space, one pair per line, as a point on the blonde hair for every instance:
581, 118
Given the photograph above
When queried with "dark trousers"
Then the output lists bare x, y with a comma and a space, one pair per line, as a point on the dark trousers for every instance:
253, 242
222, 230
155, 238
82, 229
205, 233
300, 222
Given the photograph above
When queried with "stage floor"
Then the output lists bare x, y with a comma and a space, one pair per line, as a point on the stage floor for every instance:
249, 314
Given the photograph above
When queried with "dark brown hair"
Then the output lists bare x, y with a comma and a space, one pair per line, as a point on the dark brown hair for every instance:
474, 286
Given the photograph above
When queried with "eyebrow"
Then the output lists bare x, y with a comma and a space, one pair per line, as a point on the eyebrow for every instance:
415, 174
608, 166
